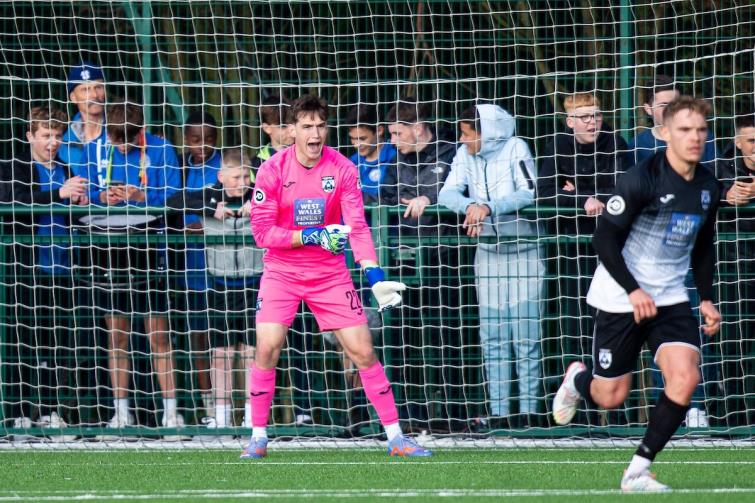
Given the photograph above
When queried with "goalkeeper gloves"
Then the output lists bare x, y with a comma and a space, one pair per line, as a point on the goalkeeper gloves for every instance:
386, 292
331, 237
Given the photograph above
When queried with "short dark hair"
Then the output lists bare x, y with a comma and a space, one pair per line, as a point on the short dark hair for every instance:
49, 117
686, 103
200, 118
309, 104
743, 121
409, 111
658, 85
124, 121
471, 117
275, 110
363, 115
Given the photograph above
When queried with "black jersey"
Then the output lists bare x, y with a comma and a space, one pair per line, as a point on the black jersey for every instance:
653, 226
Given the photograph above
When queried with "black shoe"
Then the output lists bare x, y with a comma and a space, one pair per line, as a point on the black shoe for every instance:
498, 423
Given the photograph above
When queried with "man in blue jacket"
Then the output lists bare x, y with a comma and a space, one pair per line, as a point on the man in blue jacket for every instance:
86, 90
140, 169
497, 171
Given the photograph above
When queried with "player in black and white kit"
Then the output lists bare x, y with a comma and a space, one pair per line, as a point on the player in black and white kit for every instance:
660, 220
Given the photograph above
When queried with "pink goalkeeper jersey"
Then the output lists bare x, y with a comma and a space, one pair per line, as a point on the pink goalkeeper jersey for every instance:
290, 197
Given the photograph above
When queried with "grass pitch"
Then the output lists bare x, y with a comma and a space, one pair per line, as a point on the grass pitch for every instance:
584, 475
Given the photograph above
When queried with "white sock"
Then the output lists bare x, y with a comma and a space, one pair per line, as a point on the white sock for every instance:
392, 431
248, 414
222, 415
121, 406
638, 465
259, 432
169, 406
208, 401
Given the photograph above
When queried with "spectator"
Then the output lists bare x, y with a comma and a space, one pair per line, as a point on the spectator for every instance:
578, 172
201, 164
275, 124
86, 90
234, 269
42, 283
655, 96
432, 336
736, 170
141, 170
496, 170
372, 157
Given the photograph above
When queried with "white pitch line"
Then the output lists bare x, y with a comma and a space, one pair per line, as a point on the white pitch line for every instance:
345, 493
400, 462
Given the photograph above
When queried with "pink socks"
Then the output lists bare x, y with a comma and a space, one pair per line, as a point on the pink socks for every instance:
261, 391
379, 393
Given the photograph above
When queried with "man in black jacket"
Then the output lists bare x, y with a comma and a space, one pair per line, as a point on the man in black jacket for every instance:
736, 170
578, 173
430, 318
42, 281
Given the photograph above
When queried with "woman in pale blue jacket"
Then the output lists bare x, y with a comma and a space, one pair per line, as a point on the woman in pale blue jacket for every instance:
496, 169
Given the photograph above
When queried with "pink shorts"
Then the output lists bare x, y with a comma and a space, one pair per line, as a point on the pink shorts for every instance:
332, 299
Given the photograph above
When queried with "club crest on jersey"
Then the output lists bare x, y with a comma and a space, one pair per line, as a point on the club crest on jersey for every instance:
605, 358
328, 183
616, 205
259, 196
705, 199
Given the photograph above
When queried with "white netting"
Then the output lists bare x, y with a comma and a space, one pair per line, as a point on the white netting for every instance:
226, 58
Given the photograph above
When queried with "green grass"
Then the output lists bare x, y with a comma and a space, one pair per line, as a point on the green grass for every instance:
583, 475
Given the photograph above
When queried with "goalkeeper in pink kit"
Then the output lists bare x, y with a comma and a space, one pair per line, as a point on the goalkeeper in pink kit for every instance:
307, 204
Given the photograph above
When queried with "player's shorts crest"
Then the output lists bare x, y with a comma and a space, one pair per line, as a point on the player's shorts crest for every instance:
605, 358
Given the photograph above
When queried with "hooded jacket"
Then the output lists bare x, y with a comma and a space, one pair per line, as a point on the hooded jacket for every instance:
235, 260
501, 175
419, 174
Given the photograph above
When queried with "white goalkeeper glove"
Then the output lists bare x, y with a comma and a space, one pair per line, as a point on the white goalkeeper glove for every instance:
385, 292
332, 237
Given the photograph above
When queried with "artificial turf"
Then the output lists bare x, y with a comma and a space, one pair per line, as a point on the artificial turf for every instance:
584, 475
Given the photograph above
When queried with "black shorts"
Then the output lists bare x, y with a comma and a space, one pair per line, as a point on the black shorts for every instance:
148, 298
618, 340
231, 310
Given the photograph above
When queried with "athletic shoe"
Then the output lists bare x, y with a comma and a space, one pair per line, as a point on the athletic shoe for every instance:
55, 422
210, 423
174, 421
116, 423
643, 482
23, 423
406, 447
696, 418
256, 449
304, 420
567, 397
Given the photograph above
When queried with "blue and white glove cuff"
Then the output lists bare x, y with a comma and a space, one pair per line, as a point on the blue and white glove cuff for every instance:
374, 275
311, 236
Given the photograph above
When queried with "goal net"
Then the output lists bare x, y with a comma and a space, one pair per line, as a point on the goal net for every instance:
113, 318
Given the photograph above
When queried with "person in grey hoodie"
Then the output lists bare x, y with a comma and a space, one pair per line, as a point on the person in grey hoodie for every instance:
496, 170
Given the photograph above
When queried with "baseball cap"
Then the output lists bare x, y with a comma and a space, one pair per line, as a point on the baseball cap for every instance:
85, 72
